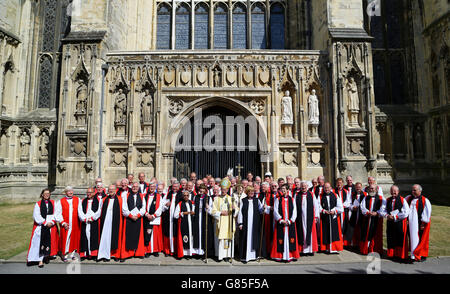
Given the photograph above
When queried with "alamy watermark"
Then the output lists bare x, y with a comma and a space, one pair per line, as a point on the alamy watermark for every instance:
373, 8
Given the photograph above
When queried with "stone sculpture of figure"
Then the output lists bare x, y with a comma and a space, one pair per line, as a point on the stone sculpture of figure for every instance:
313, 108
25, 141
287, 117
216, 77
43, 145
418, 141
147, 106
81, 97
120, 107
353, 96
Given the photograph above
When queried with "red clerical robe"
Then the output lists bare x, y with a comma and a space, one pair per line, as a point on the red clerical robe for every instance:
67, 213
372, 226
419, 215
396, 230
42, 237
133, 231
152, 229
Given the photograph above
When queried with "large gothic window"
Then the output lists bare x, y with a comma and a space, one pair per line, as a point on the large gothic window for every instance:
56, 24
164, 18
258, 27
236, 24
182, 27
201, 26
221, 27
277, 26
388, 47
239, 27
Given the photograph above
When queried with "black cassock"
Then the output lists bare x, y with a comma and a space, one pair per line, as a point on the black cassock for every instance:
256, 231
197, 230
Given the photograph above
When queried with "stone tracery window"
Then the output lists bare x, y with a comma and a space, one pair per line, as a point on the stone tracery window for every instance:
221, 24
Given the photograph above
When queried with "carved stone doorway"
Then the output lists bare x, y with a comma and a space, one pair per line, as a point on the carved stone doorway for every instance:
216, 161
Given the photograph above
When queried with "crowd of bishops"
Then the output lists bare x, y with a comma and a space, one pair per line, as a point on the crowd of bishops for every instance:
228, 219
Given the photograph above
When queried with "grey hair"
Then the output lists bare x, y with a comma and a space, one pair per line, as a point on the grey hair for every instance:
68, 188
418, 186
265, 184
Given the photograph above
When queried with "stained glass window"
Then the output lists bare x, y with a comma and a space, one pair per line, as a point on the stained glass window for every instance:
201, 26
164, 19
182, 27
221, 27
239, 27
277, 26
258, 27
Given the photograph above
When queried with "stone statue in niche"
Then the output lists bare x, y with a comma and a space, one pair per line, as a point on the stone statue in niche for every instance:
147, 107
353, 101
81, 97
43, 145
287, 117
418, 142
313, 114
217, 76
25, 141
120, 106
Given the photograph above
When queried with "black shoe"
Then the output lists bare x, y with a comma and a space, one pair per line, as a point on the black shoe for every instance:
156, 254
122, 260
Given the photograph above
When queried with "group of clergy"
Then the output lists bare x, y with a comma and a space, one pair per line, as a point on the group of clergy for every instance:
213, 218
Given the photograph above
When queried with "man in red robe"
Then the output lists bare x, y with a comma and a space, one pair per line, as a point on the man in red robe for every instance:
152, 222
330, 226
133, 209
372, 210
419, 223
66, 214
397, 211
284, 245
111, 226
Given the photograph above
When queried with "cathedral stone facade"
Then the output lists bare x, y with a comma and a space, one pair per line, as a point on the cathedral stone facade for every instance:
102, 88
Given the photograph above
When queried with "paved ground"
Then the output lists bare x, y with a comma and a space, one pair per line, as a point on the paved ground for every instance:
344, 263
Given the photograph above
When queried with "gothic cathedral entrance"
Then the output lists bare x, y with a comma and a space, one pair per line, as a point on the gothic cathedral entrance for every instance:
215, 155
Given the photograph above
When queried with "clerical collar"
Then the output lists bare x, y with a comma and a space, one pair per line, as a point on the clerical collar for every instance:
69, 197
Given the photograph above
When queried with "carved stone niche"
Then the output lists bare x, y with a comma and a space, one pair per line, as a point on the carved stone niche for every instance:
316, 157
145, 157
118, 157
24, 144
146, 90
80, 93
44, 140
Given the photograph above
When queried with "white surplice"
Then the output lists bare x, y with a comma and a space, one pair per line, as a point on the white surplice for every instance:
306, 248
250, 253
277, 217
177, 214
33, 253
104, 249
414, 221
88, 215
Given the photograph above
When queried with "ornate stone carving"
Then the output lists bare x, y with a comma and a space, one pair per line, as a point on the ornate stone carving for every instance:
289, 157
120, 112
264, 77
313, 115
43, 146
118, 157
247, 77
355, 146
231, 77
145, 158
175, 106
201, 77
257, 105
78, 147
25, 141
315, 157
185, 77
287, 117
81, 102
147, 107
352, 101
217, 76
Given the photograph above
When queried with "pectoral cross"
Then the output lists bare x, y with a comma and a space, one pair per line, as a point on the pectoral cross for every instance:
239, 167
